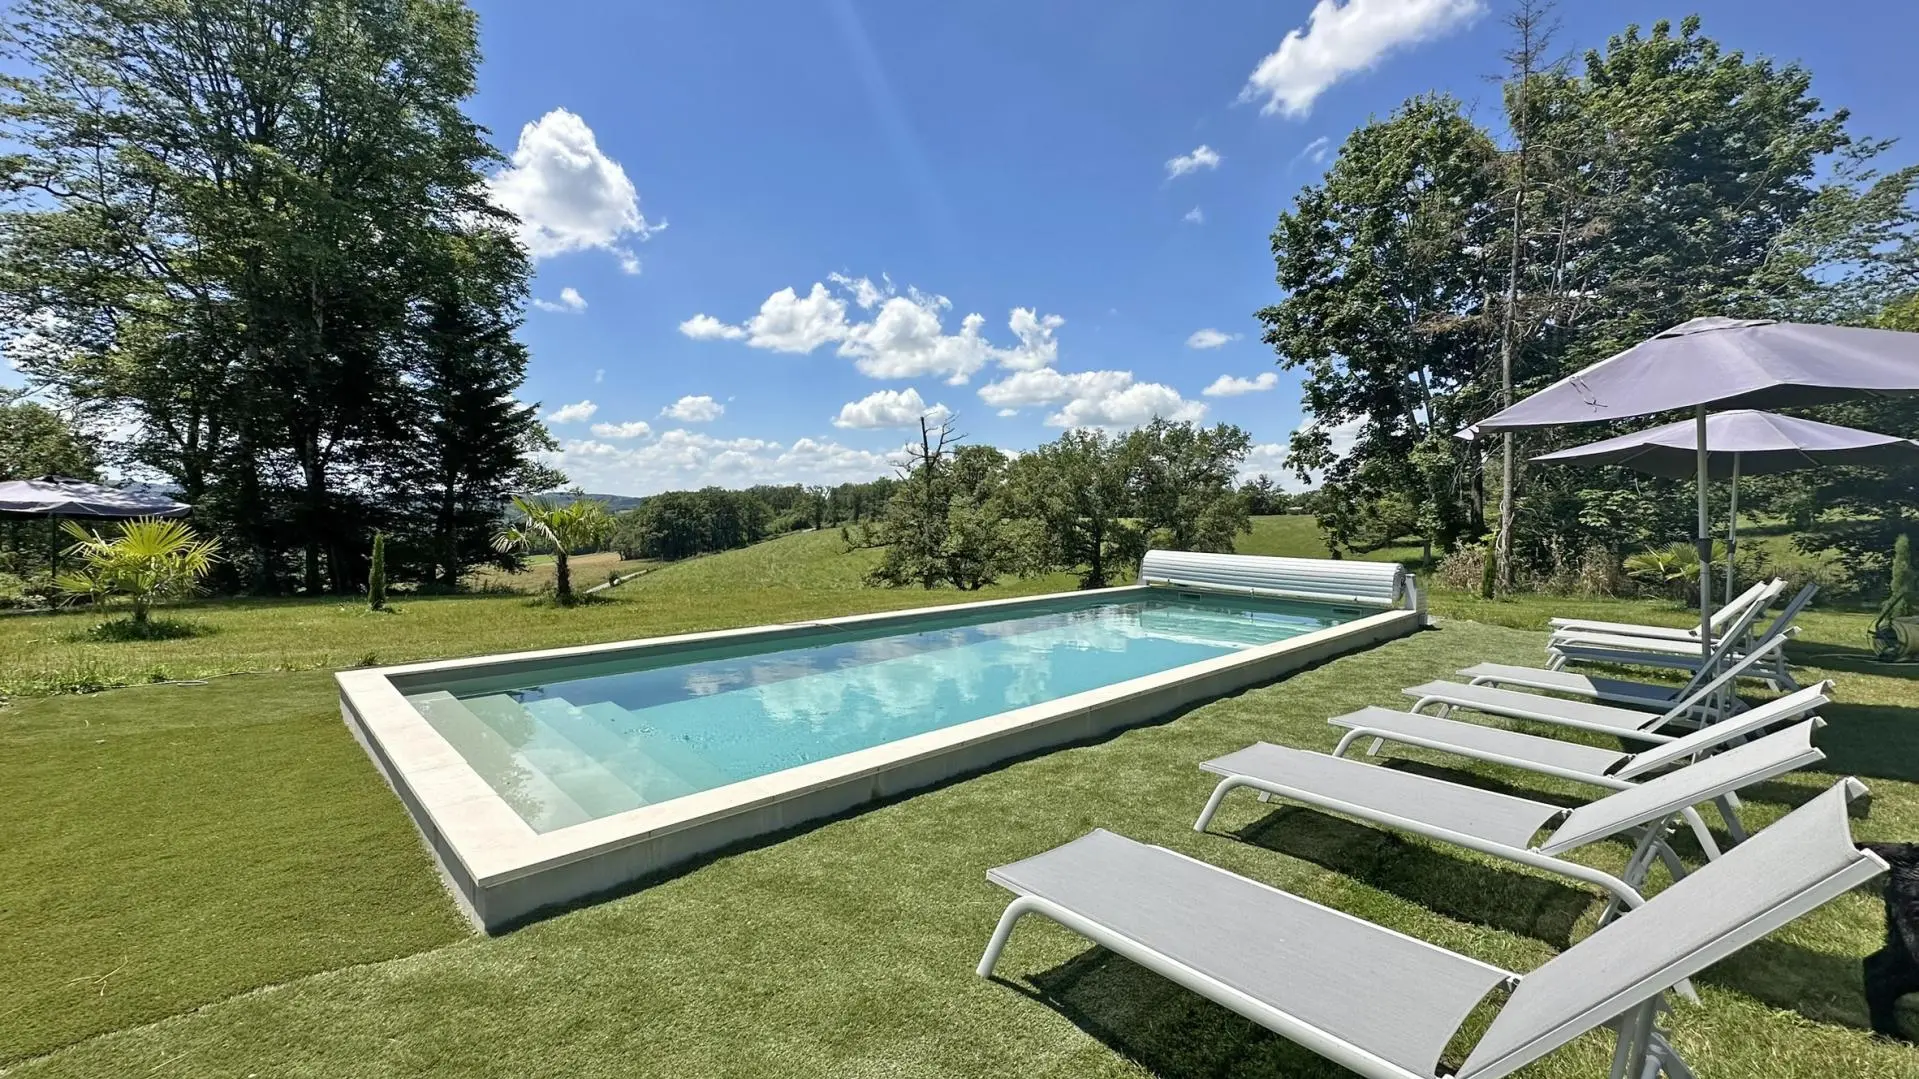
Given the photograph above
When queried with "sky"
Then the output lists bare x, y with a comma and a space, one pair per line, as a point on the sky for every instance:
769, 236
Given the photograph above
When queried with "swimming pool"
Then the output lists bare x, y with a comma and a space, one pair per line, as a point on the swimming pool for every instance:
592, 739
541, 778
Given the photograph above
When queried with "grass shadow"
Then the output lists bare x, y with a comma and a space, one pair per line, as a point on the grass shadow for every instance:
1873, 741
1468, 891
1848, 659
1822, 987
1165, 1030
123, 630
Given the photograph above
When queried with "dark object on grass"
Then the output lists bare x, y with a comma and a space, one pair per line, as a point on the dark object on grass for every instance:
1895, 633
1893, 971
1489, 571
376, 575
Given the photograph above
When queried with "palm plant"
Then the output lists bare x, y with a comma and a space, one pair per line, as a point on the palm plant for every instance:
149, 561
582, 523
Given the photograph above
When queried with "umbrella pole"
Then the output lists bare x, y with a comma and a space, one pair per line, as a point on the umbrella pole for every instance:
1732, 527
1704, 539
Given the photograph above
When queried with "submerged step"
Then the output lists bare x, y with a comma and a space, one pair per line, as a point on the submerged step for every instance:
575, 768
661, 765
535, 796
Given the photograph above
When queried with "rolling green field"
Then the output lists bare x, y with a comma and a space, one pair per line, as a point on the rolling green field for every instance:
211, 880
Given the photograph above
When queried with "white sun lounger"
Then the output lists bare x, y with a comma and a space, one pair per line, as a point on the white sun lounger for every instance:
1585, 715
1612, 769
1385, 1004
1758, 595
1679, 655
1503, 825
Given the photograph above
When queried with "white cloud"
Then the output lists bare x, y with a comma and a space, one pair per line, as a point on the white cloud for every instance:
906, 337
573, 413
1340, 39
1345, 435
691, 409
708, 328
680, 459
599, 375
1091, 398
1203, 158
1267, 459
788, 322
1317, 150
1210, 338
1195, 216
570, 302
1005, 412
1230, 386
635, 429
890, 408
569, 195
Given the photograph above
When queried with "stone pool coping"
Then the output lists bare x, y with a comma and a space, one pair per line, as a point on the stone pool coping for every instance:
502, 872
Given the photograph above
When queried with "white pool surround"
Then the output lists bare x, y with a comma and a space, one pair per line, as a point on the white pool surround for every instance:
502, 872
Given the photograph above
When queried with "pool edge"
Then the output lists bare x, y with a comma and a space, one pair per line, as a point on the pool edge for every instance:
502, 873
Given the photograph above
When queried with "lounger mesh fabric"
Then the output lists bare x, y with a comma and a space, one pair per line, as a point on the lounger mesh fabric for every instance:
1376, 584
1790, 707
1802, 861
1491, 698
1500, 818
1617, 689
1727, 613
1551, 752
1398, 998
1757, 760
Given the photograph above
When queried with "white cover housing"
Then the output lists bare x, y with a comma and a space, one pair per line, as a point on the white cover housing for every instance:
1324, 580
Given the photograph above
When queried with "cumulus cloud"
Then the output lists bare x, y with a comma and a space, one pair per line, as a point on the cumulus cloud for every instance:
680, 460
569, 303
634, 429
905, 337
1231, 386
1203, 158
1343, 38
890, 408
568, 195
1195, 216
1209, 338
573, 413
691, 409
1091, 398
708, 328
1265, 459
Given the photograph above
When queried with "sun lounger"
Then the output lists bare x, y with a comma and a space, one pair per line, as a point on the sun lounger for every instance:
1585, 715
1504, 825
1679, 655
1613, 769
1759, 594
1386, 1005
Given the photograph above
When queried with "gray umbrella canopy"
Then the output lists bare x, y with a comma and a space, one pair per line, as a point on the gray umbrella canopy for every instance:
1742, 442
1722, 362
58, 496
1725, 363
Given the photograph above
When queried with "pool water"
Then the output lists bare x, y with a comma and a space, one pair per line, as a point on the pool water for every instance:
589, 742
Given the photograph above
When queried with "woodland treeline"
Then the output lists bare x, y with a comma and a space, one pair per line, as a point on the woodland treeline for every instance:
1659, 178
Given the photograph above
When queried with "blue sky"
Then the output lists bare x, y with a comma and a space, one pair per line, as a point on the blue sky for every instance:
1095, 180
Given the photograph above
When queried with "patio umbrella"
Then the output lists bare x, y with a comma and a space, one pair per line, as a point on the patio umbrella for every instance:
1742, 442
59, 496
1725, 363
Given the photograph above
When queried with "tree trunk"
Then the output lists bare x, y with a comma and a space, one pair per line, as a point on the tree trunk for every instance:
562, 576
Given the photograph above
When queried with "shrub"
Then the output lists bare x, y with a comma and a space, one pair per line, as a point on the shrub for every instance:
149, 561
376, 575
1599, 573
1463, 570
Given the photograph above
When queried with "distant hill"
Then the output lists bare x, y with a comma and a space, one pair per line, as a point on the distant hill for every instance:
617, 503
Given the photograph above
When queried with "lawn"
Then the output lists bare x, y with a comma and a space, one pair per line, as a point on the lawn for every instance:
537, 576
212, 881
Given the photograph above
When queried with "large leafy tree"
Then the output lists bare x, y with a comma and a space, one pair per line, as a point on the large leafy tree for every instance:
228, 215
1077, 492
1386, 269
37, 441
1182, 477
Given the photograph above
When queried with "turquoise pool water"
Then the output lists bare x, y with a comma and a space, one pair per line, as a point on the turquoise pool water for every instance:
599, 739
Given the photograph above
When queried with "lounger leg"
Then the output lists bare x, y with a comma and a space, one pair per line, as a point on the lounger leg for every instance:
1729, 812
1019, 907
1663, 1059
1635, 1038
1346, 742
1212, 804
1378, 744
1700, 832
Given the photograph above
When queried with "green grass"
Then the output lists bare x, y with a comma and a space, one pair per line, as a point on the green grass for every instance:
213, 881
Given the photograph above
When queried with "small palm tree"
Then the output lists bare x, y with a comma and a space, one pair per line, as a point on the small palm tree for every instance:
580, 523
149, 561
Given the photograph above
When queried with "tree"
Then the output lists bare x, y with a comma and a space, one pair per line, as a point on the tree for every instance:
1264, 497
1386, 269
1077, 491
37, 441
579, 525
224, 218
376, 575
1182, 477
150, 560
946, 521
